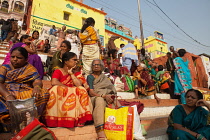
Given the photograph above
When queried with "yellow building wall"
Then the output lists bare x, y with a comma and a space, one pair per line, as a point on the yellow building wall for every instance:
154, 45
48, 13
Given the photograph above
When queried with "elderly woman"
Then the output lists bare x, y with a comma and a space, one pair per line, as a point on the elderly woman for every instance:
57, 57
69, 104
190, 121
144, 84
20, 80
101, 92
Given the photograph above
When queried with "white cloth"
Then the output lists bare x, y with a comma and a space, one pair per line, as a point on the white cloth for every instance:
137, 125
74, 47
20, 23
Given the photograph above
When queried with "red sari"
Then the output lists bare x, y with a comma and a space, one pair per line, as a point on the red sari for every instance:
68, 106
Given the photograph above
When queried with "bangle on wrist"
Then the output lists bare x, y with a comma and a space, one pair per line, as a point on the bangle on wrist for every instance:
37, 86
8, 95
199, 137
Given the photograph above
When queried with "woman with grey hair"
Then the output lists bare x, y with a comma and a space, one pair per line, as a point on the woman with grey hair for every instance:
101, 93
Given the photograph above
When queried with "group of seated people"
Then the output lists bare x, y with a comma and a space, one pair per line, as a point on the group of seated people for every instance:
74, 101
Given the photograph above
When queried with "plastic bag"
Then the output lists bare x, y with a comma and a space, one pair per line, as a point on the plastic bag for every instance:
119, 123
138, 135
22, 113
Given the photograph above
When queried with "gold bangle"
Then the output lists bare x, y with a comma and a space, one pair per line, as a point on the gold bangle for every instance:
8, 95
74, 78
37, 86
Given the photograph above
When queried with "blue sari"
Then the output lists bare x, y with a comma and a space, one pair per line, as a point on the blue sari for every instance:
182, 78
197, 121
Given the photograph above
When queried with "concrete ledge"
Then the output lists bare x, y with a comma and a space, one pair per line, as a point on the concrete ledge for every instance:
154, 123
156, 111
77, 133
153, 102
158, 134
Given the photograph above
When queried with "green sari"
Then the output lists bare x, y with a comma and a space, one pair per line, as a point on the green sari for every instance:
197, 121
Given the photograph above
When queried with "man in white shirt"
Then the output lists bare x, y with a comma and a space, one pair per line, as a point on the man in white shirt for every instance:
20, 23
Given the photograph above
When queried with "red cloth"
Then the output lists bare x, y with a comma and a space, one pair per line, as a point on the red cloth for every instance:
140, 106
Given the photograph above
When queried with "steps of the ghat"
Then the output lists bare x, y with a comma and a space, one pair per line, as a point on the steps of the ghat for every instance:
154, 116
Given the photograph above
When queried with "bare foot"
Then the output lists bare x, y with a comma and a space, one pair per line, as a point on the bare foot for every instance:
136, 97
157, 99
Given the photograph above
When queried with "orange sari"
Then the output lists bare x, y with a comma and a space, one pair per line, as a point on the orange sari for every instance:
68, 106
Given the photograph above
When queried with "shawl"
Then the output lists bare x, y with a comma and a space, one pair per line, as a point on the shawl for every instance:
102, 85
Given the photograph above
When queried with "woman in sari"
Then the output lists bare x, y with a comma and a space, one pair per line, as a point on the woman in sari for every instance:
101, 93
114, 64
190, 121
90, 39
69, 104
34, 58
38, 43
182, 77
20, 80
143, 82
57, 57
24, 42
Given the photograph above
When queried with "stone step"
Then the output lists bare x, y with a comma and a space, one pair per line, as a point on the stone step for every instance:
131, 95
156, 111
153, 102
155, 122
77, 133
157, 134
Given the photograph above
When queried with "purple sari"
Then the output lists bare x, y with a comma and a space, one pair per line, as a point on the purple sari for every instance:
33, 59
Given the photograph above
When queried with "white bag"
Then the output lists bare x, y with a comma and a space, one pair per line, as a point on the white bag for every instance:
137, 125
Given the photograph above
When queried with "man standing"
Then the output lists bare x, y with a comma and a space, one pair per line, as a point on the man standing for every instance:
175, 53
129, 53
52, 36
170, 65
61, 36
20, 24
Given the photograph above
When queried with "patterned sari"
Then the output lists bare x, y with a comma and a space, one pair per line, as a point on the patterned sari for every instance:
197, 121
182, 78
147, 85
68, 106
33, 59
19, 82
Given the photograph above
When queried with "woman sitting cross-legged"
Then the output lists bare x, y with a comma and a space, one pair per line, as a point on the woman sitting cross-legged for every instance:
20, 80
69, 104
101, 92
190, 121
